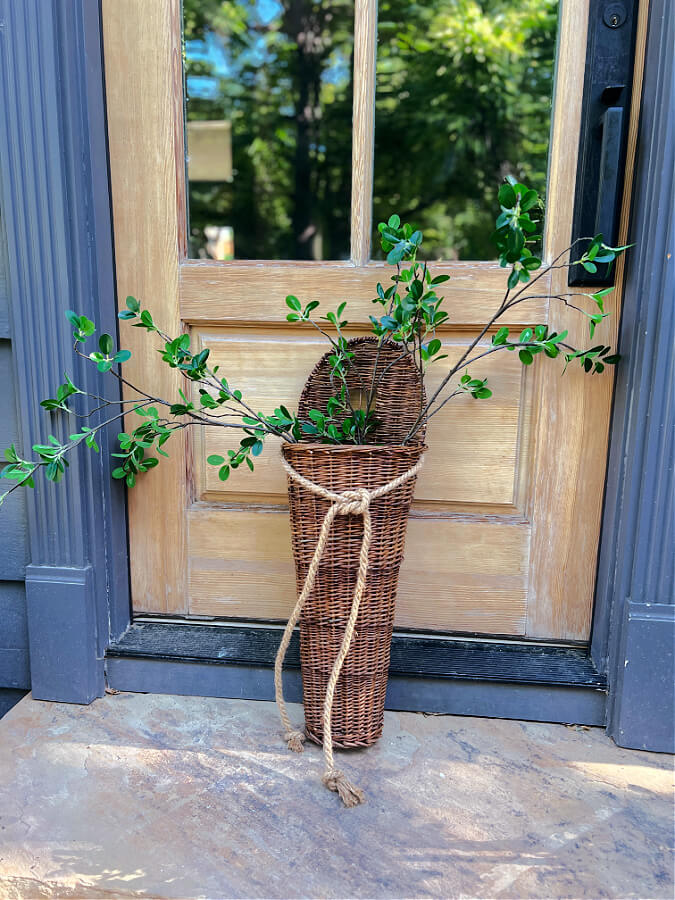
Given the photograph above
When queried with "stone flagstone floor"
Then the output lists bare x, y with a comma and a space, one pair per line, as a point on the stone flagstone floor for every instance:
186, 797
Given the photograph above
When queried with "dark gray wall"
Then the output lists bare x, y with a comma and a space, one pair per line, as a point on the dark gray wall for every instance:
14, 663
634, 633
55, 201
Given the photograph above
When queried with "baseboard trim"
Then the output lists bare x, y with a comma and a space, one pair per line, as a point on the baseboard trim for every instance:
61, 610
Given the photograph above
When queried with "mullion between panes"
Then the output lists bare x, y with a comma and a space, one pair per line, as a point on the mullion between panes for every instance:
363, 130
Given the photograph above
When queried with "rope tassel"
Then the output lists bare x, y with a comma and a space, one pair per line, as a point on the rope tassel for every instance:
346, 791
357, 503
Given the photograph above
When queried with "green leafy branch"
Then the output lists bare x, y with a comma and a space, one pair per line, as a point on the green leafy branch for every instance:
413, 311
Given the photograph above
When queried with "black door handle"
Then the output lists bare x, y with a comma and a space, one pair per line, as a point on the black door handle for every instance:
609, 185
604, 125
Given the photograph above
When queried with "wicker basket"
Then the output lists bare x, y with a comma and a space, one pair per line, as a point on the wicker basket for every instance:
358, 706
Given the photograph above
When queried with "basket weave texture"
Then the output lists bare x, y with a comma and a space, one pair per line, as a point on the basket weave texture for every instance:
358, 706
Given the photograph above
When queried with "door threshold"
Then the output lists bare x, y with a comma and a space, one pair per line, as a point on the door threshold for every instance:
155, 618
458, 677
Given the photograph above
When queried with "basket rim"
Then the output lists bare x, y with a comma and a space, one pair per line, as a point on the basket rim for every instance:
305, 447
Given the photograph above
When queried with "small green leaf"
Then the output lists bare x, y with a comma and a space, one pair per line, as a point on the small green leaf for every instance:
224, 473
215, 460
293, 303
507, 196
105, 344
525, 357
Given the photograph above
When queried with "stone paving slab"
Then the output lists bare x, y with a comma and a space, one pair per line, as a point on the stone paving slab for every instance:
185, 797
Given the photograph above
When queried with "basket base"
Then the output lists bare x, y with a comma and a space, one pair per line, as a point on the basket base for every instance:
317, 738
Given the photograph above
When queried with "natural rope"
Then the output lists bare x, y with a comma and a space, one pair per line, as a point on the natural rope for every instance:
354, 503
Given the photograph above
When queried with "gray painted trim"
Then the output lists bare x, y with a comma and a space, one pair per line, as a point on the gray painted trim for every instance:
9, 697
14, 668
459, 697
641, 712
14, 542
55, 201
4, 288
64, 664
636, 562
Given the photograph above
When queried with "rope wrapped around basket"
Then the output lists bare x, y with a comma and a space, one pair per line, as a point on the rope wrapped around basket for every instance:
355, 503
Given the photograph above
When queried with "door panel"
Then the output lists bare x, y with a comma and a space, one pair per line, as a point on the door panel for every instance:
504, 528
239, 562
473, 448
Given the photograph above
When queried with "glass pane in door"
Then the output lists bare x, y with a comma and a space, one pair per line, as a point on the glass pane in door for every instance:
464, 92
268, 121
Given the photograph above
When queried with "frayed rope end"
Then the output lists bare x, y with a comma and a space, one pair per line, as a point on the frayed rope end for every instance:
349, 793
295, 740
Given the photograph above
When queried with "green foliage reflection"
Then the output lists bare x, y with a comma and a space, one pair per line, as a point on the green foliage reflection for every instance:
463, 100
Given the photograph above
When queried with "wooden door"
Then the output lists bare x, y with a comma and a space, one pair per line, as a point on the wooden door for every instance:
504, 530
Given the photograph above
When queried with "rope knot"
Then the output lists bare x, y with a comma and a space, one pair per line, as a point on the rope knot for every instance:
353, 503
294, 740
349, 793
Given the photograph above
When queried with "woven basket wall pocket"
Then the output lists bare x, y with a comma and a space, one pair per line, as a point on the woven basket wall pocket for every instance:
349, 510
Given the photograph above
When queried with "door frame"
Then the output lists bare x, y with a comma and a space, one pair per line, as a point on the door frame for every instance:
71, 668
142, 47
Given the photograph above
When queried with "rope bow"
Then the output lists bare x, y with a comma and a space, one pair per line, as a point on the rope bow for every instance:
348, 503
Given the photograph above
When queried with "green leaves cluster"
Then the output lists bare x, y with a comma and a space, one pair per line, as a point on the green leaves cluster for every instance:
104, 361
593, 361
340, 423
474, 386
598, 253
82, 326
252, 444
530, 342
153, 433
413, 306
516, 228
399, 241
63, 392
51, 457
134, 311
297, 313
19, 469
